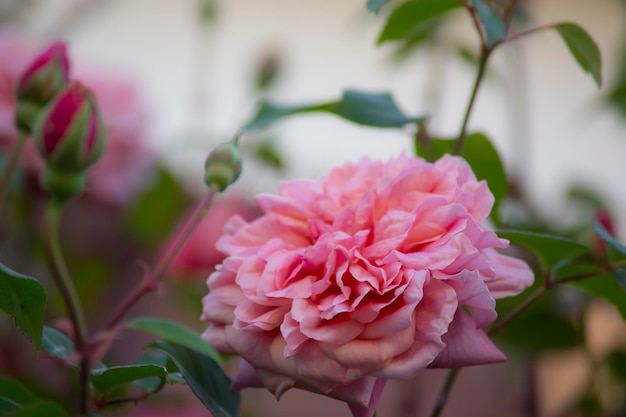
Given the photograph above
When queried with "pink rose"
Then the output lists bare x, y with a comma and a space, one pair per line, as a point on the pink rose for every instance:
377, 271
199, 256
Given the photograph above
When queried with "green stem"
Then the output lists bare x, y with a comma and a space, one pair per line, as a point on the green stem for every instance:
8, 171
444, 394
65, 285
482, 66
152, 278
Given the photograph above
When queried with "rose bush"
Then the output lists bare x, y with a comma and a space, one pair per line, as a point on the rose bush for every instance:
359, 277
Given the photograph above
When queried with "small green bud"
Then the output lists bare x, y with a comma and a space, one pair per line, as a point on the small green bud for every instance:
223, 166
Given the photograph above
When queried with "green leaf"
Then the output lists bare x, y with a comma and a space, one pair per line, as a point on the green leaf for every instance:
115, 376
39, 409
15, 392
152, 384
482, 156
56, 343
583, 48
540, 327
7, 406
495, 29
174, 332
408, 18
549, 249
603, 285
376, 5
24, 299
369, 109
608, 239
204, 376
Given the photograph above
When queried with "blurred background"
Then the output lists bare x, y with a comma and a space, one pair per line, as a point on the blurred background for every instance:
176, 78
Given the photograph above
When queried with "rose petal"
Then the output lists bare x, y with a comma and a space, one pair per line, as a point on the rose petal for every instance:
466, 345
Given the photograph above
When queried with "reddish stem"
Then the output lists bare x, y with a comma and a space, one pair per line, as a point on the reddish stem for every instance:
152, 279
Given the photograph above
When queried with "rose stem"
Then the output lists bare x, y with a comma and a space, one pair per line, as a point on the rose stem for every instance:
152, 278
444, 394
65, 285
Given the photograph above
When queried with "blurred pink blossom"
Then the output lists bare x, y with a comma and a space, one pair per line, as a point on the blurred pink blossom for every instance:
199, 256
377, 271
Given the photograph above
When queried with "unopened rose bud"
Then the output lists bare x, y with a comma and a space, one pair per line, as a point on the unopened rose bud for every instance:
44, 78
223, 166
69, 135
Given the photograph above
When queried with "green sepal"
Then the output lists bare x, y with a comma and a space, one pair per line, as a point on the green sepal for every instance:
62, 184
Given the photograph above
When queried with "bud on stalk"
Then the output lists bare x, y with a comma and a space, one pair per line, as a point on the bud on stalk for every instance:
223, 165
69, 134
44, 78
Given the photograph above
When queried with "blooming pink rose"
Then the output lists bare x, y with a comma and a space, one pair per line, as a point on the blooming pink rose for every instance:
199, 256
377, 271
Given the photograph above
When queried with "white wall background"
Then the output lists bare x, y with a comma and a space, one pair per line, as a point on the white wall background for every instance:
199, 80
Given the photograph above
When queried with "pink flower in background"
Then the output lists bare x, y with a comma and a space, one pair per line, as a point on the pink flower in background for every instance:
128, 159
377, 271
15, 56
199, 256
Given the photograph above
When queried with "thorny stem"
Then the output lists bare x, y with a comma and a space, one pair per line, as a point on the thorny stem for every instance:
8, 171
65, 285
442, 398
152, 278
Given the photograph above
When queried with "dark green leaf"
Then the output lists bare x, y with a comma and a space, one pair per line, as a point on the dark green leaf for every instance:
269, 113
176, 378
495, 29
115, 376
540, 327
549, 249
39, 409
376, 5
369, 109
583, 48
204, 376
7, 406
153, 384
24, 299
174, 332
602, 285
56, 343
407, 19
481, 155
15, 392
608, 239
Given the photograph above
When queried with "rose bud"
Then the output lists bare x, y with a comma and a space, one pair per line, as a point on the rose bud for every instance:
223, 166
69, 134
46, 76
